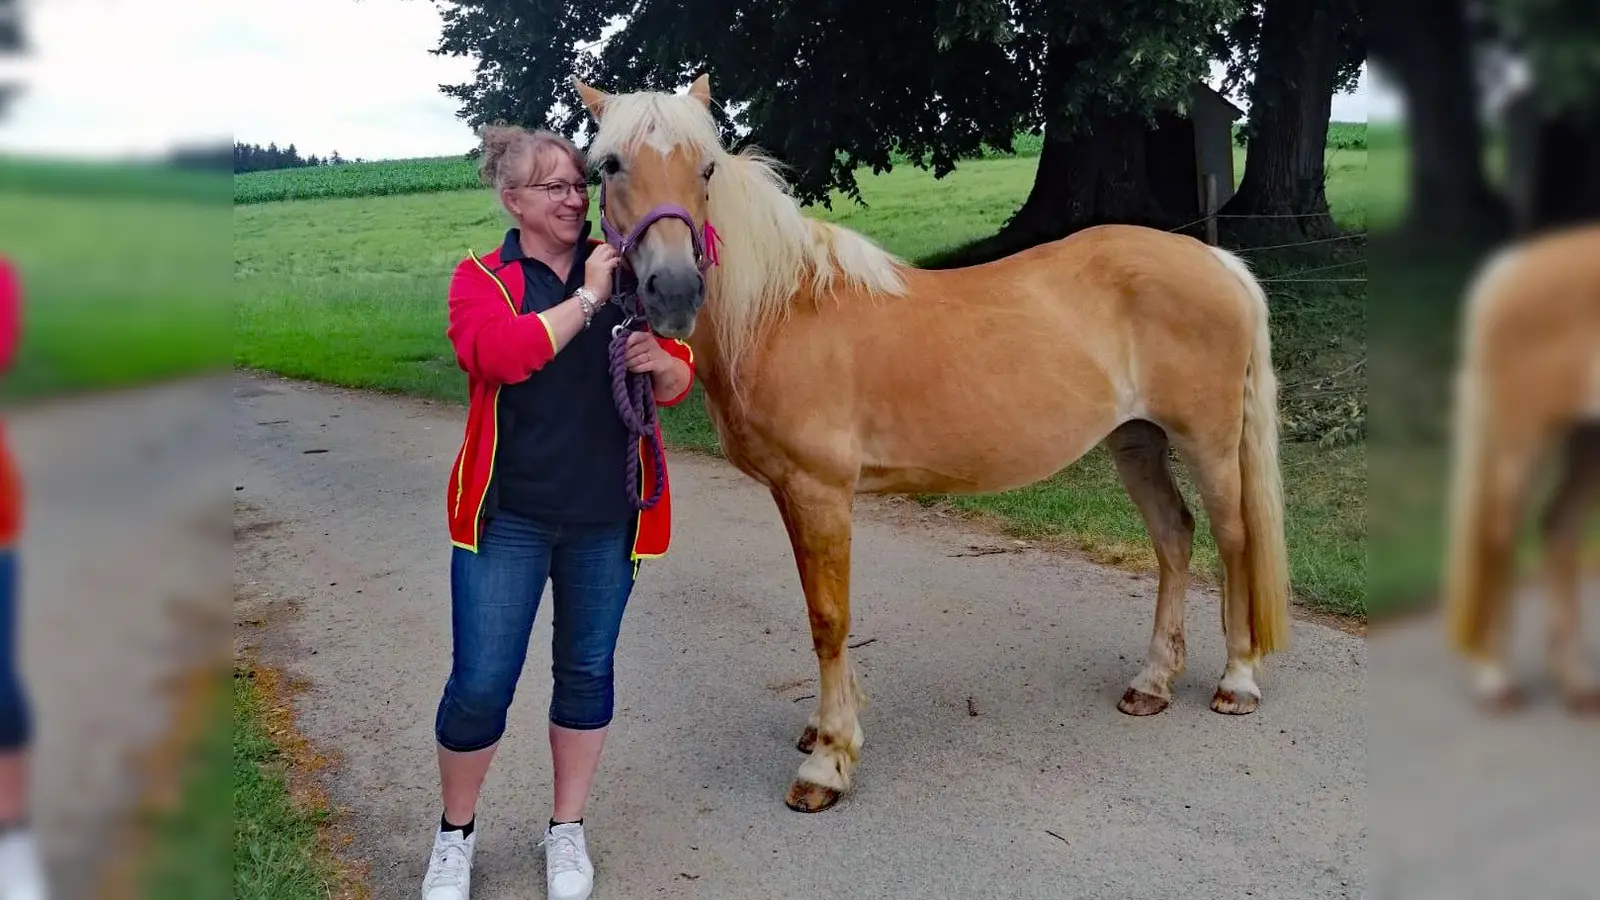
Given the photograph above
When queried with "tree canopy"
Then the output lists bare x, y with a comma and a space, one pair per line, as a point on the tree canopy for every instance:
831, 85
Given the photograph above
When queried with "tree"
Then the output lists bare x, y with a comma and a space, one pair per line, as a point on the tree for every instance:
1436, 50
1295, 55
12, 40
828, 86
1428, 48
1560, 42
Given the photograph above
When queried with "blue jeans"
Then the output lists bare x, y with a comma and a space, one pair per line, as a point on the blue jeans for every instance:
16, 720
495, 594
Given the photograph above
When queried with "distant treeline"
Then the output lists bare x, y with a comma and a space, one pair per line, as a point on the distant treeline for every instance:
256, 158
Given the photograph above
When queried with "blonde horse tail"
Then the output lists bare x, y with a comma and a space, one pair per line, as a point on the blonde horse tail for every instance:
1467, 605
1261, 480
1469, 608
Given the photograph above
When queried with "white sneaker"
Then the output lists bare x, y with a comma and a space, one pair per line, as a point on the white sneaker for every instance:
449, 866
568, 873
21, 872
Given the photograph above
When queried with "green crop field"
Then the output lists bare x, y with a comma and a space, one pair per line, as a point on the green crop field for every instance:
454, 173
367, 179
350, 290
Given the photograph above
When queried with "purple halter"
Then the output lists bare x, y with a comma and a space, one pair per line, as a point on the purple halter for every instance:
632, 393
705, 245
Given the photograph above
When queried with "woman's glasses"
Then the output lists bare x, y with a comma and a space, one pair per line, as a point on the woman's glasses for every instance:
557, 190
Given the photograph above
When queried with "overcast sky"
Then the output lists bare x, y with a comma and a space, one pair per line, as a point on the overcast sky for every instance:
348, 75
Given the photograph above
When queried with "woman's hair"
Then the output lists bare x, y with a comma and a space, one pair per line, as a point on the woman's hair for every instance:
513, 154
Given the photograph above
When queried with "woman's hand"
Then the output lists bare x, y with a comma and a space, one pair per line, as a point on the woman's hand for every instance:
597, 271
669, 375
643, 354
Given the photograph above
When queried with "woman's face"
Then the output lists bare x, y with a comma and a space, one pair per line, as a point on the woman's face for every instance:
555, 200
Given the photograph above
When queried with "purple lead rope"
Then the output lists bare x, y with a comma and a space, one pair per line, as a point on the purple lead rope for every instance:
634, 396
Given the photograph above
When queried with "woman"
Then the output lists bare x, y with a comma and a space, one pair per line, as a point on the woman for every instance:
539, 491
21, 870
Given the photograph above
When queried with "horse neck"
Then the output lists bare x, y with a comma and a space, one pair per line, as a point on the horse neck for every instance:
710, 369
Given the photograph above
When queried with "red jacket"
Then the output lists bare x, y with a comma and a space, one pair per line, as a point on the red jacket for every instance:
497, 345
10, 334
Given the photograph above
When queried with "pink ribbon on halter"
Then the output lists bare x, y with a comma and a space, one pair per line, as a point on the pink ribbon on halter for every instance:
711, 243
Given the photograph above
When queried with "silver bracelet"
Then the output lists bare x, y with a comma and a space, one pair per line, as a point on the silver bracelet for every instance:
588, 302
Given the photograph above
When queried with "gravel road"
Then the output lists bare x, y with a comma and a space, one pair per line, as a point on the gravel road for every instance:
995, 765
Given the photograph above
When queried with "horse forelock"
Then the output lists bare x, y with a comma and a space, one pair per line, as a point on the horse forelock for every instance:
769, 250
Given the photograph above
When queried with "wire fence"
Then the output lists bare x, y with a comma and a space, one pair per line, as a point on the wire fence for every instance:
1210, 222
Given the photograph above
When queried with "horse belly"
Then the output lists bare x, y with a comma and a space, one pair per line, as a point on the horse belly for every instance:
976, 445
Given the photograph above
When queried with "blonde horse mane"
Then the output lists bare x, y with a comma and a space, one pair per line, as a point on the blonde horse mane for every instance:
767, 246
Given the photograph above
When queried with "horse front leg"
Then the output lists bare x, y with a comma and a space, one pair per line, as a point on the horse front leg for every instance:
818, 520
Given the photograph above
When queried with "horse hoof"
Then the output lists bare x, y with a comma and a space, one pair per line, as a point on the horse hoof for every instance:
1232, 703
808, 740
1138, 703
808, 797
1501, 701
1584, 703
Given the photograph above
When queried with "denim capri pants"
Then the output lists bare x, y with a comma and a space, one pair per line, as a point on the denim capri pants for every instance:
495, 595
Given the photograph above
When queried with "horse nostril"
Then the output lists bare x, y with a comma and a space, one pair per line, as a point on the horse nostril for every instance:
650, 283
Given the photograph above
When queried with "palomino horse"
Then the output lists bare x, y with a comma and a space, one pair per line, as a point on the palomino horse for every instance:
831, 368
1528, 383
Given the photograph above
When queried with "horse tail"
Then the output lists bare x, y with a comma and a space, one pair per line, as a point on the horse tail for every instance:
1469, 608
1261, 480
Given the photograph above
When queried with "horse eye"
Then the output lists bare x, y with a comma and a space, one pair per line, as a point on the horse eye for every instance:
710, 167
610, 166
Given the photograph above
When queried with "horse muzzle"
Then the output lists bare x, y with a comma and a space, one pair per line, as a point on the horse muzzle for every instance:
672, 296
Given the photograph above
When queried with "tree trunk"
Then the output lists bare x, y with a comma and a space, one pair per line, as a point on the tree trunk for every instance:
1094, 178
1291, 101
1090, 179
1565, 183
1094, 174
1449, 197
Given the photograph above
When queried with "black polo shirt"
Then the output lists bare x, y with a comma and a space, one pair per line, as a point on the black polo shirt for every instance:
562, 445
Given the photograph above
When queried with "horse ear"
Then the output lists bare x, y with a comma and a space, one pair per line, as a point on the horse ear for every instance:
593, 99
701, 90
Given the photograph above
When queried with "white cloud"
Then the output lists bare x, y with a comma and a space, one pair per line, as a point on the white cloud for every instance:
349, 75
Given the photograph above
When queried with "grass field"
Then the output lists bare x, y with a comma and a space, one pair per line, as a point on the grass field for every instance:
123, 281
350, 290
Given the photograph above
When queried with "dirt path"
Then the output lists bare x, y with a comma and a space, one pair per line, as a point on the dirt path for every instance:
125, 586
992, 682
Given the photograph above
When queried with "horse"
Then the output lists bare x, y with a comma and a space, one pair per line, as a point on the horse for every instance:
832, 368
1527, 388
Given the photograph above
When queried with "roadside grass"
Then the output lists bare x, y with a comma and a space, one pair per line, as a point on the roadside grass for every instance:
175, 846
277, 850
351, 291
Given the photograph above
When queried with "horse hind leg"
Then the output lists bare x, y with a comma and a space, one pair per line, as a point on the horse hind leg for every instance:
1237, 693
1493, 471
1562, 524
1141, 452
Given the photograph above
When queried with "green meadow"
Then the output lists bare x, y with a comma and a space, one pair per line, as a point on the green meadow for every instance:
350, 289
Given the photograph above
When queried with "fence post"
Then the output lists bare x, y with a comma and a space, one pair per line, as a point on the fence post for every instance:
1211, 208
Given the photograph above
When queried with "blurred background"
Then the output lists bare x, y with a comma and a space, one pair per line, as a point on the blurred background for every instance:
115, 216
1496, 144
